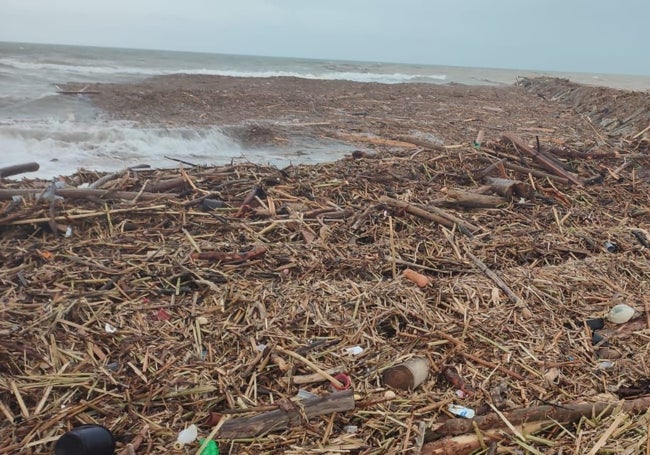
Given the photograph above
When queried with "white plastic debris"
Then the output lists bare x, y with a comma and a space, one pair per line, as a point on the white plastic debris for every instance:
305, 394
350, 429
188, 435
50, 192
109, 328
605, 365
354, 350
68, 232
260, 347
461, 411
620, 314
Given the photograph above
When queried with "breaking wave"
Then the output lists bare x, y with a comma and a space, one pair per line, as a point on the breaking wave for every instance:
61, 147
107, 70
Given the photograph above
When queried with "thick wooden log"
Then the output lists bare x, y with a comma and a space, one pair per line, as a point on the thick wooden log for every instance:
165, 185
18, 169
280, 419
469, 200
561, 414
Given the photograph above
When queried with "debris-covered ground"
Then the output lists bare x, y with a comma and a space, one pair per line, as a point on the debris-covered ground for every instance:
151, 300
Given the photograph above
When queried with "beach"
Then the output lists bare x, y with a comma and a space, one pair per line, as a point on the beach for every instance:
486, 231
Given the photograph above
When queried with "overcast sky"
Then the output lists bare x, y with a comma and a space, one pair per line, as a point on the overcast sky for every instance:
562, 35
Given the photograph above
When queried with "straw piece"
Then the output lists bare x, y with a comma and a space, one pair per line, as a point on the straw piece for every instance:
311, 365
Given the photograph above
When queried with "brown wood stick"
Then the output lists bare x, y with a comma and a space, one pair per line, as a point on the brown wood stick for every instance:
250, 427
459, 221
489, 364
526, 170
134, 445
232, 258
468, 443
165, 185
494, 277
311, 365
468, 199
417, 211
314, 377
480, 173
562, 414
18, 169
543, 160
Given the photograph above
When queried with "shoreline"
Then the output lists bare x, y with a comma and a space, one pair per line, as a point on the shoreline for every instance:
291, 120
283, 120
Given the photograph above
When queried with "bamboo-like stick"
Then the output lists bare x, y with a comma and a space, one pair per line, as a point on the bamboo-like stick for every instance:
447, 222
494, 277
541, 158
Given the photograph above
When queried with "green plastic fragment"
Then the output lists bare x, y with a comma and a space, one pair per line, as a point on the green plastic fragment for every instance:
211, 449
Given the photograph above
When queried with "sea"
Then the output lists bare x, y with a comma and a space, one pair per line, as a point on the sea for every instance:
64, 133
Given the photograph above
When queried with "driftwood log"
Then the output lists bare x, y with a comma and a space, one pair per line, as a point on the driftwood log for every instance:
468, 200
280, 419
457, 435
18, 169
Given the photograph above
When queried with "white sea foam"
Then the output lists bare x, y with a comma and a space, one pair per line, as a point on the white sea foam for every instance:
383, 78
357, 76
61, 147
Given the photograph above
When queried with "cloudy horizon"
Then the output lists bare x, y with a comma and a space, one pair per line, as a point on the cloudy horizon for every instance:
577, 36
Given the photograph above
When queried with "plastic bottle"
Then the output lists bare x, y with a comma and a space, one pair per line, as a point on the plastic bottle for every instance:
210, 449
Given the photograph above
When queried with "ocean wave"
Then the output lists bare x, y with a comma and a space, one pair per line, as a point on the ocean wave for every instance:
60, 147
75, 69
46, 105
108, 70
384, 78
